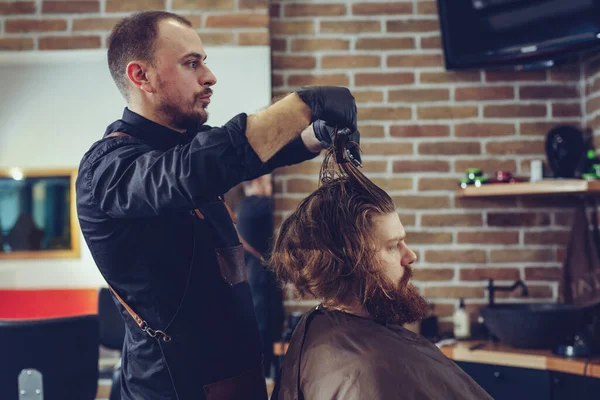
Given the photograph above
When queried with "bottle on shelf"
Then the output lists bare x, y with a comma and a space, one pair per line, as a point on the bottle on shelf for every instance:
462, 323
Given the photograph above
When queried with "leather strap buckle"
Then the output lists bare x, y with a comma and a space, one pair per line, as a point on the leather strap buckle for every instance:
153, 333
140, 322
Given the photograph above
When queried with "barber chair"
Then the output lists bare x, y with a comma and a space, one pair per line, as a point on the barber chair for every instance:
112, 334
50, 359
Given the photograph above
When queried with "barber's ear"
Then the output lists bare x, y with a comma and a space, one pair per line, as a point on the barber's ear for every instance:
137, 72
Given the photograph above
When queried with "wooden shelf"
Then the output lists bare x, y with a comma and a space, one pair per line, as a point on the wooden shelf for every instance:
545, 187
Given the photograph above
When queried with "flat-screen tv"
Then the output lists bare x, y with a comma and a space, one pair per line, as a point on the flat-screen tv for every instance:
523, 34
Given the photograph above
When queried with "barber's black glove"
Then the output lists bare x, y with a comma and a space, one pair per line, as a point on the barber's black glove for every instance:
351, 139
333, 104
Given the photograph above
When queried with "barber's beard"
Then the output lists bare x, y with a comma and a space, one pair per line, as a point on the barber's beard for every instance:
180, 118
405, 306
182, 114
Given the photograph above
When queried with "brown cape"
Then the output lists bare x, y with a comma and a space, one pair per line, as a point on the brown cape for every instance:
334, 355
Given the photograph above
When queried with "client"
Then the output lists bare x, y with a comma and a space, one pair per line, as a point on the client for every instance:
345, 245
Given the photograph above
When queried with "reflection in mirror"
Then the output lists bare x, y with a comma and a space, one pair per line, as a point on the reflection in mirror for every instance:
37, 214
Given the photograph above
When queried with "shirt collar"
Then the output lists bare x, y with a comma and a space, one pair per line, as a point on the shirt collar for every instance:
142, 128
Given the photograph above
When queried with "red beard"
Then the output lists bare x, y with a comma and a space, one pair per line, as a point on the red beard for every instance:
406, 304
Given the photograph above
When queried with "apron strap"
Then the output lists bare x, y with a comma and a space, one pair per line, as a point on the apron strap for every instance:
231, 214
250, 249
139, 321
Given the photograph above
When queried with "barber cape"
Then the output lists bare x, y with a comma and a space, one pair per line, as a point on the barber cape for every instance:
334, 355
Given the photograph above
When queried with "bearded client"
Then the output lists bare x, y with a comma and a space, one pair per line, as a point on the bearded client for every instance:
346, 246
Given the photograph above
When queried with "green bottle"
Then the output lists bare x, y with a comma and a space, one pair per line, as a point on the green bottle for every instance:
592, 163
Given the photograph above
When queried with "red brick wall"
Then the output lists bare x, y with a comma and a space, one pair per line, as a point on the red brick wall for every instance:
591, 67
85, 24
422, 127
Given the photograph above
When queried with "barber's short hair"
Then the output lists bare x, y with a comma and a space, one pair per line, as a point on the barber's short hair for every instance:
325, 248
134, 38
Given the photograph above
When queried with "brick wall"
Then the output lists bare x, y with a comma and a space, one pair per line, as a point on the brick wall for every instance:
422, 127
85, 24
591, 70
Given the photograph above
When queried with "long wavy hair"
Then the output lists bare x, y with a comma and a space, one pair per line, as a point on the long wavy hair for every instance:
325, 248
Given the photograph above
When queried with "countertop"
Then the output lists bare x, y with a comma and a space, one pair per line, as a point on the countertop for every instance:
501, 354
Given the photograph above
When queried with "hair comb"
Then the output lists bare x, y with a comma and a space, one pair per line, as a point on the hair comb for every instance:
342, 153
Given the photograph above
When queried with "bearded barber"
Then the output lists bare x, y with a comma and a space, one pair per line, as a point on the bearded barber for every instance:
149, 199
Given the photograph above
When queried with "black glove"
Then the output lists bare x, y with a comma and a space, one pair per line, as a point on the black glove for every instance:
349, 140
332, 104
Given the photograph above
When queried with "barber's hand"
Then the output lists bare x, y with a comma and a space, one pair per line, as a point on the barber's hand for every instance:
332, 104
326, 135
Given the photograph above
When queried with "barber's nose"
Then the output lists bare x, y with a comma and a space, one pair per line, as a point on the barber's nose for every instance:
209, 78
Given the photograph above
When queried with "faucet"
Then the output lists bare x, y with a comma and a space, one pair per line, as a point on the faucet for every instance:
491, 289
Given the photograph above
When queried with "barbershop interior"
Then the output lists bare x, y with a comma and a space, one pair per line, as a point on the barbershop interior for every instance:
478, 120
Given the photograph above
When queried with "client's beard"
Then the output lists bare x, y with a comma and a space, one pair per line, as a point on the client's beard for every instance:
405, 306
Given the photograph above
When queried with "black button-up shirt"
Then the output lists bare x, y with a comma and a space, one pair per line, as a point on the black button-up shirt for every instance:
135, 196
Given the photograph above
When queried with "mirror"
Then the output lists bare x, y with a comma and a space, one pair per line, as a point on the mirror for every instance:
38, 218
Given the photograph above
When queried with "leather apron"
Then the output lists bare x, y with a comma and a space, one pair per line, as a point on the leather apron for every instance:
211, 348
215, 379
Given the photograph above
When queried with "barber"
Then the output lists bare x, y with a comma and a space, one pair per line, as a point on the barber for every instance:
150, 206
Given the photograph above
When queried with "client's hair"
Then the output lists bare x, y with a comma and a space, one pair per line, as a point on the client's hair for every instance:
325, 248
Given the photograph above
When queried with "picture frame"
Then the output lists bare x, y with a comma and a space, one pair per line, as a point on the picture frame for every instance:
38, 216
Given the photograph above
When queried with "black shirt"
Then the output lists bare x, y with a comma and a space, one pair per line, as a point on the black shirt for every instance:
135, 200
